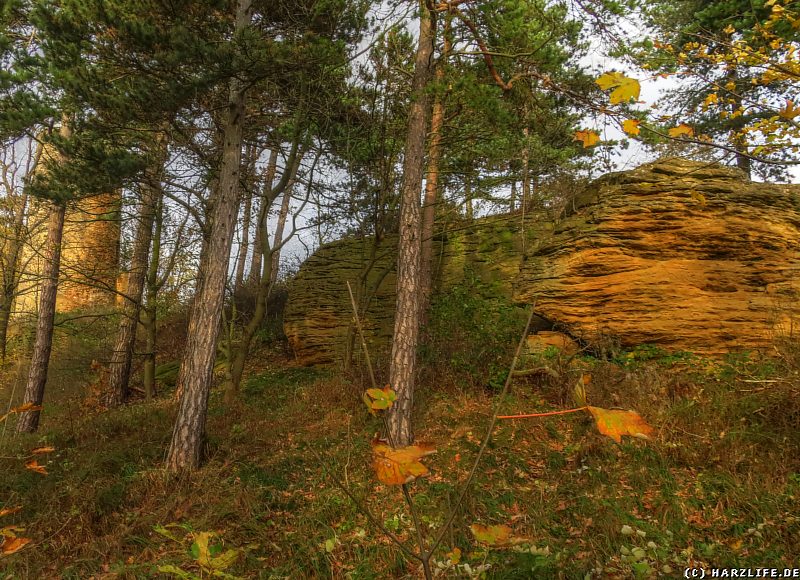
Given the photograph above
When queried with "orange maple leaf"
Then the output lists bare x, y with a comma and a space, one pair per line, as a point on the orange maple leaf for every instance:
616, 423
12, 545
7, 511
589, 138
398, 466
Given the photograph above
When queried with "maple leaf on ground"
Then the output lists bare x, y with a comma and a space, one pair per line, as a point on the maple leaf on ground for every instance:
41, 450
33, 465
7, 511
588, 138
398, 466
616, 423
498, 535
624, 88
12, 545
211, 556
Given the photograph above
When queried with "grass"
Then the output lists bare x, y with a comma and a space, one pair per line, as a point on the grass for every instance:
719, 485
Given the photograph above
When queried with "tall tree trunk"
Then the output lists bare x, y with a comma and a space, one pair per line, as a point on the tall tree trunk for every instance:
244, 247
406, 320
526, 178
10, 273
282, 215
261, 220
468, 210
122, 355
251, 157
432, 184
149, 313
513, 200
197, 367
40, 359
238, 353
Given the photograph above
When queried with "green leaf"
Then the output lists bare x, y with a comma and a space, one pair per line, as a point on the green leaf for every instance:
379, 399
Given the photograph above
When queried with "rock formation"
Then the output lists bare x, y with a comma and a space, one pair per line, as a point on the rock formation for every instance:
680, 254
90, 255
684, 255
318, 314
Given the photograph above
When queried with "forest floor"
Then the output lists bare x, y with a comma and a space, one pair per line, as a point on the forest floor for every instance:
719, 485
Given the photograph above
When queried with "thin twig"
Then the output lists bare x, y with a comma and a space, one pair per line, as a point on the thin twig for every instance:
462, 494
364, 509
547, 414
361, 335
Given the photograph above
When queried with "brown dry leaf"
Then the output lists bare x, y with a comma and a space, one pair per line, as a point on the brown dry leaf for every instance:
399, 466
7, 511
33, 465
13, 545
41, 450
616, 423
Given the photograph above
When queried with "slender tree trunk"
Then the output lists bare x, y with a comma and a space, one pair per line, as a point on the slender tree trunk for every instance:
526, 178
282, 215
197, 367
238, 353
406, 321
468, 210
40, 359
122, 355
513, 200
244, 247
149, 313
432, 185
10, 274
261, 220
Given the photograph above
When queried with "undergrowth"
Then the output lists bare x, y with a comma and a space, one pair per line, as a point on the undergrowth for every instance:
718, 485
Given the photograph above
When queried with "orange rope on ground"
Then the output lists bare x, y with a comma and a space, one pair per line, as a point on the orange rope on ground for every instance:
548, 414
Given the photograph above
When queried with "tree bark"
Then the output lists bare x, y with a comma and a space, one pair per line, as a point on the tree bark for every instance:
432, 185
468, 210
238, 354
251, 157
149, 313
197, 367
261, 220
122, 356
406, 321
282, 215
40, 359
244, 247
10, 274
526, 178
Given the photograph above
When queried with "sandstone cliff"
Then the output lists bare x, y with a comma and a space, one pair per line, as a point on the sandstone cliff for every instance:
684, 255
318, 315
676, 253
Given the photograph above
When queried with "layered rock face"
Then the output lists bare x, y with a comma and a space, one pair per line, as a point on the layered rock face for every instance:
680, 254
318, 316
